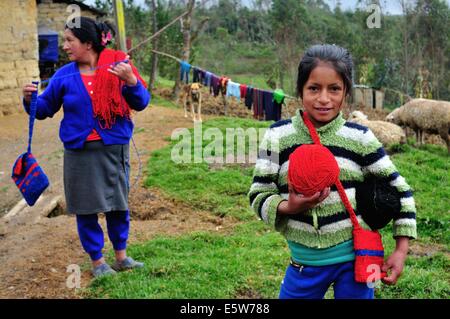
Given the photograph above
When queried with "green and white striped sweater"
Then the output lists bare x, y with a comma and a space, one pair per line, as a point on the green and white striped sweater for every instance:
358, 153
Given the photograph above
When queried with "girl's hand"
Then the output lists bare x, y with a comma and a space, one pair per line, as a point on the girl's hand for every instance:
27, 90
124, 72
298, 203
395, 263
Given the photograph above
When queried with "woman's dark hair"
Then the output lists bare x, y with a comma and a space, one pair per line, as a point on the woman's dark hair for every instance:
340, 59
88, 30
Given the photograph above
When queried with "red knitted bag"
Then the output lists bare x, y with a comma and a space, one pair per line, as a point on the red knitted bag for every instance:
368, 245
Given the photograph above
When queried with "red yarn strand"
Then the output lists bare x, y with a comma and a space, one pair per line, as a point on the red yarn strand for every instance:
347, 205
316, 139
107, 101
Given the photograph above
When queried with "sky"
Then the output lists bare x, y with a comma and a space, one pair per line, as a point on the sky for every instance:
389, 6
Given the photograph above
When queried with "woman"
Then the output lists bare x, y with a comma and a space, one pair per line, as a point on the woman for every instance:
97, 90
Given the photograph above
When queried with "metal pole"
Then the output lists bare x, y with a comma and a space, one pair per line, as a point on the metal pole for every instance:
120, 23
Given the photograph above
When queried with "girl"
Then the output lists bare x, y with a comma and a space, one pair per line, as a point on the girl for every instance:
95, 130
318, 228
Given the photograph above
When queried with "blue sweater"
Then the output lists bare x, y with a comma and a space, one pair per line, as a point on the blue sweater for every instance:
79, 120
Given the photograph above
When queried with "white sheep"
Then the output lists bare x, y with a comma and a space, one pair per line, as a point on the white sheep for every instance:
387, 133
423, 115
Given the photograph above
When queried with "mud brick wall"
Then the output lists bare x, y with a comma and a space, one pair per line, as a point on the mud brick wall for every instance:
18, 51
54, 15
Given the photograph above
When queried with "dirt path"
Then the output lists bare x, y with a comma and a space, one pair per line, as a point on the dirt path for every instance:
34, 256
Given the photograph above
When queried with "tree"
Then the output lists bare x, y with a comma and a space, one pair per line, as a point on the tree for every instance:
433, 36
290, 31
154, 57
186, 50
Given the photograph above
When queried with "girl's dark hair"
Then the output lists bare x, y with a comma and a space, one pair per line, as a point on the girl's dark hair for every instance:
340, 59
88, 30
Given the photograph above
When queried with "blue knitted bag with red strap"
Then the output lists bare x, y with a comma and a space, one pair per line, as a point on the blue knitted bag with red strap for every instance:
26, 173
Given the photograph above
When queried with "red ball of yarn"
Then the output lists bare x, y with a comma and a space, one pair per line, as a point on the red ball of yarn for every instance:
311, 169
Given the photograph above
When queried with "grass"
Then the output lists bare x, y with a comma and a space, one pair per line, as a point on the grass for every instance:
423, 277
138, 130
202, 265
238, 60
221, 190
160, 101
227, 57
250, 261
427, 169
164, 83
254, 81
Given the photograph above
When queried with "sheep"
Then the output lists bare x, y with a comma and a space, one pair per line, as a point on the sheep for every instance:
423, 115
387, 133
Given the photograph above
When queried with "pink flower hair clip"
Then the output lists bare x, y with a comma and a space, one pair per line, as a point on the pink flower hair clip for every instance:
106, 38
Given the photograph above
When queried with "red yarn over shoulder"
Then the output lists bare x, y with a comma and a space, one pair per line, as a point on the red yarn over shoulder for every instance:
368, 245
108, 101
312, 168
341, 191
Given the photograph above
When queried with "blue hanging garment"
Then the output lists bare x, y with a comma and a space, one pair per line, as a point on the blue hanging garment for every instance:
233, 89
185, 68
207, 79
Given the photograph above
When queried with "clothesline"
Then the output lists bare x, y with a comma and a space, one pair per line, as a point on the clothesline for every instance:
194, 66
263, 90
157, 33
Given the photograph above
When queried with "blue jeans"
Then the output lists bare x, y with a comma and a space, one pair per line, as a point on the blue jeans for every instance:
185, 68
312, 282
91, 233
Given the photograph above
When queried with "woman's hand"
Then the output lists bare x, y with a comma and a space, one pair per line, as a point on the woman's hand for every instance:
27, 90
298, 203
124, 72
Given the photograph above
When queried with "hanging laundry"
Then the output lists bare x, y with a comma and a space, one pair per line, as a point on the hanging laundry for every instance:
207, 79
249, 97
233, 89
196, 75
215, 85
278, 101
243, 89
278, 96
185, 68
258, 104
202, 75
271, 111
223, 85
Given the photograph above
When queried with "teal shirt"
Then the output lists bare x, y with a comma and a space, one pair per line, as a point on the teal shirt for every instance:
322, 257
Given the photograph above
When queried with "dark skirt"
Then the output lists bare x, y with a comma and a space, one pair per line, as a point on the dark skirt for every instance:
96, 178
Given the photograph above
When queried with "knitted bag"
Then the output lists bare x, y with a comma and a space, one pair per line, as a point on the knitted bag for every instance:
368, 246
378, 201
26, 173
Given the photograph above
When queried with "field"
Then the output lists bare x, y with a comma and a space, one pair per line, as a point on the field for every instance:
250, 260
